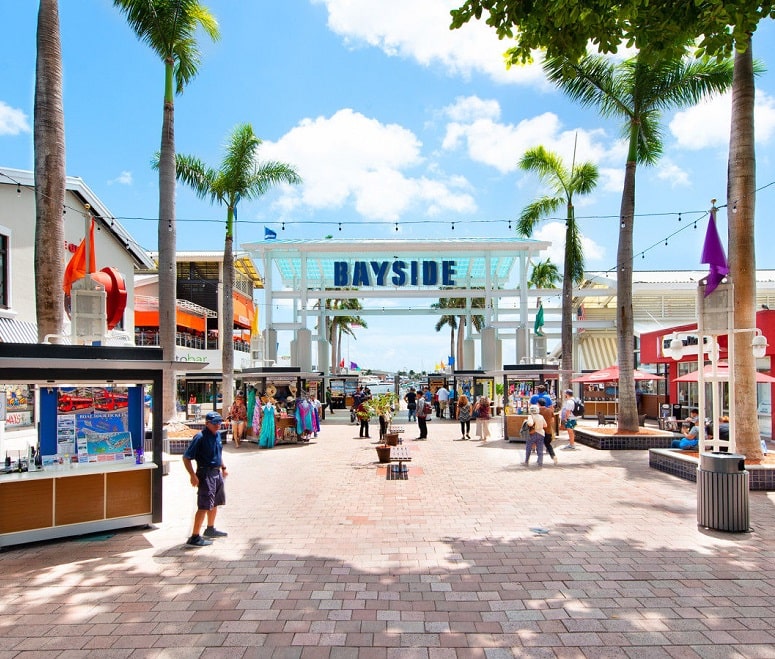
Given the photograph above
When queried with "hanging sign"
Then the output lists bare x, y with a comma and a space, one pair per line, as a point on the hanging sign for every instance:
395, 273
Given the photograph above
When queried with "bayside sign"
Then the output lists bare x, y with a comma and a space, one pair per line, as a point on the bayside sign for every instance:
395, 273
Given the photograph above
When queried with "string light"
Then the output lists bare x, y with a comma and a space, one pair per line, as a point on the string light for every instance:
282, 226
679, 217
340, 226
509, 225
453, 226
396, 226
18, 190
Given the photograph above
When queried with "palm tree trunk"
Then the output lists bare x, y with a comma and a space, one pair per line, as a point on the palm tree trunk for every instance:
167, 242
50, 173
628, 410
566, 332
742, 254
461, 326
227, 345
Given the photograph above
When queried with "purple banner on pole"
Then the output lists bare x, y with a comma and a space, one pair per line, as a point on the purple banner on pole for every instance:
713, 254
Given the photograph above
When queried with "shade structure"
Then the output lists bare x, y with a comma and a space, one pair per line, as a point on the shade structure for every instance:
722, 375
611, 374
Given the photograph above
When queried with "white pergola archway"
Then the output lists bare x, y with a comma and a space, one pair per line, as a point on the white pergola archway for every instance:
307, 272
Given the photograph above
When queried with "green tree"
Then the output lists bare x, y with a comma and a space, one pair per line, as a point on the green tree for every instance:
544, 274
636, 92
563, 184
343, 325
239, 177
50, 174
169, 28
457, 321
718, 28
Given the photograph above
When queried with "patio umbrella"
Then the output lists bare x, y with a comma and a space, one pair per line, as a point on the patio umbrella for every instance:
722, 375
611, 374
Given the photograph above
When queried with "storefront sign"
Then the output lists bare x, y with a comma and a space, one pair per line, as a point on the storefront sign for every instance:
397, 273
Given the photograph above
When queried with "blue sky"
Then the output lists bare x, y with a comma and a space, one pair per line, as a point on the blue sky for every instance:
389, 118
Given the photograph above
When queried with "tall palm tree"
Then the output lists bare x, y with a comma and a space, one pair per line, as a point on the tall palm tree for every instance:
238, 177
637, 91
458, 321
741, 196
50, 174
168, 27
448, 319
563, 185
340, 326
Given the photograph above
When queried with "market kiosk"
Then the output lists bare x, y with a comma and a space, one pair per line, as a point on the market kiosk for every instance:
342, 389
520, 382
88, 472
285, 385
473, 384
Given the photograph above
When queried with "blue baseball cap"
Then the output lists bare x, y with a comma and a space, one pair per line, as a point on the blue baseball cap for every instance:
213, 417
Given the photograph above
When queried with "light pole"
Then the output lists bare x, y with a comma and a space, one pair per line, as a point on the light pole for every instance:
715, 318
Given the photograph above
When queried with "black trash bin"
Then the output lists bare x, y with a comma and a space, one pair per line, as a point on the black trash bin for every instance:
722, 492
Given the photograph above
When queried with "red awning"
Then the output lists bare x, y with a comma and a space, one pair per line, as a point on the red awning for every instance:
611, 374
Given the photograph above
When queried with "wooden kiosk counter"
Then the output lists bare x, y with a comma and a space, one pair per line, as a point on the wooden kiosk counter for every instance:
101, 484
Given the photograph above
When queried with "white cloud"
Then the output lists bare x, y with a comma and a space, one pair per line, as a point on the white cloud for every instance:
420, 31
124, 178
554, 232
708, 123
349, 158
475, 125
12, 120
669, 171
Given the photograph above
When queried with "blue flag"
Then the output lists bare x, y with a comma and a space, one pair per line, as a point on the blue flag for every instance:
269, 234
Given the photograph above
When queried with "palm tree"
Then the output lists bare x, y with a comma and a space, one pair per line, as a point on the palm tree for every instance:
563, 184
741, 192
238, 177
168, 27
448, 319
545, 274
343, 325
458, 321
50, 173
636, 91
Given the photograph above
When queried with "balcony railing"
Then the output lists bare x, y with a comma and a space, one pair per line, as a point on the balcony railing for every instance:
186, 340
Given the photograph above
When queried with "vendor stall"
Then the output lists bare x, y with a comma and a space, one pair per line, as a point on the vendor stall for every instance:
86, 471
520, 383
286, 386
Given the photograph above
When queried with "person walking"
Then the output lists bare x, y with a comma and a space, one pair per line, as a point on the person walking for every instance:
364, 414
329, 400
238, 416
464, 411
411, 404
442, 395
483, 418
205, 450
569, 419
537, 425
548, 414
423, 411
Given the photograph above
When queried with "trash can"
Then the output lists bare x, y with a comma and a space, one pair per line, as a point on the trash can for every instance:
722, 492
677, 412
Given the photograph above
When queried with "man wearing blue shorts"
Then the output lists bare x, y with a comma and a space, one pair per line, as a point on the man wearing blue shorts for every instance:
205, 449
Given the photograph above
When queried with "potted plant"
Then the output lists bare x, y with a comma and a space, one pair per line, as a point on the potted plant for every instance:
382, 406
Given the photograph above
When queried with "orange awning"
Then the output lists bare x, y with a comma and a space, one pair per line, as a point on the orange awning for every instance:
243, 311
150, 318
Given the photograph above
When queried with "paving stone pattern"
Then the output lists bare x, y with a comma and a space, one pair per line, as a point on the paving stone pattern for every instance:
474, 555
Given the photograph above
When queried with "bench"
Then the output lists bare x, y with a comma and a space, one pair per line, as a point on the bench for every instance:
399, 454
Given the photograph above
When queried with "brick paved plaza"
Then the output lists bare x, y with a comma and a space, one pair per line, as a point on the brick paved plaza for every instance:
473, 556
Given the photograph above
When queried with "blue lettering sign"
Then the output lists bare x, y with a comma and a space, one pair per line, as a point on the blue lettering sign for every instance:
380, 269
341, 274
399, 273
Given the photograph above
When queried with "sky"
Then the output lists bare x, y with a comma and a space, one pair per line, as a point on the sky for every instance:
390, 118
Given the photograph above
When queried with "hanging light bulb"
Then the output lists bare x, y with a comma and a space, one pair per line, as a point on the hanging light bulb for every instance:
18, 190
340, 226
453, 226
282, 226
396, 226
679, 217
509, 225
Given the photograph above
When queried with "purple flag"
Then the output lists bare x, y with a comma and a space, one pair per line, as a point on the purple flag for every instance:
713, 255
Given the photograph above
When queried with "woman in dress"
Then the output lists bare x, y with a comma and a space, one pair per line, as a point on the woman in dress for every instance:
464, 411
483, 418
238, 415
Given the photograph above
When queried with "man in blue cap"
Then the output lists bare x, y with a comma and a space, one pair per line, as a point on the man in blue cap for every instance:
205, 449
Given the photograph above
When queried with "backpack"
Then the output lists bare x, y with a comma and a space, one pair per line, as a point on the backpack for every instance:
578, 407
524, 431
